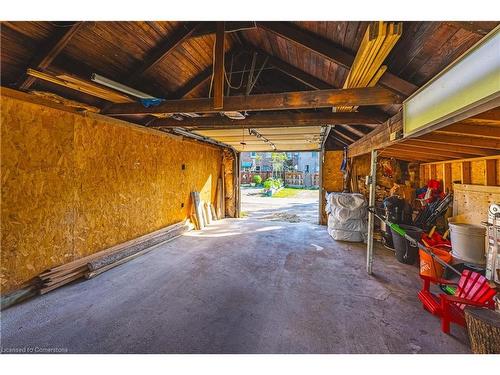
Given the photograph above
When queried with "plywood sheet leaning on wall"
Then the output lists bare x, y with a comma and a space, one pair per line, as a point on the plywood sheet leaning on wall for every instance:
230, 198
73, 185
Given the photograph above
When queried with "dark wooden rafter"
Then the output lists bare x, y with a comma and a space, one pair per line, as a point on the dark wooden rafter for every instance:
55, 46
193, 84
281, 101
275, 120
219, 70
164, 50
328, 50
292, 71
354, 130
196, 82
346, 133
345, 139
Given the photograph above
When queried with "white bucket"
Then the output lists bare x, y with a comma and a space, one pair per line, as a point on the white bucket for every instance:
468, 242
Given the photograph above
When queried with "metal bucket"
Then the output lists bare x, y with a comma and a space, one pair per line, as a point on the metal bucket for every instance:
468, 242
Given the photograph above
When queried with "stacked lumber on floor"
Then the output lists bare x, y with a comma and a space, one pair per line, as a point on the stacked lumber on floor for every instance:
95, 264
377, 43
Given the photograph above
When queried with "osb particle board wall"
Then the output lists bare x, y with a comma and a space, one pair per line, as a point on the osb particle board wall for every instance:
332, 177
477, 167
73, 185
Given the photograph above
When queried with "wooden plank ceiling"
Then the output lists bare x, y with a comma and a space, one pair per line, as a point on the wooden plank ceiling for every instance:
174, 61
476, 136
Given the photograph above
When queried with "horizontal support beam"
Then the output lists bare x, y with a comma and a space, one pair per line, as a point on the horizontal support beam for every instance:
264, 102
378, 138
274, 120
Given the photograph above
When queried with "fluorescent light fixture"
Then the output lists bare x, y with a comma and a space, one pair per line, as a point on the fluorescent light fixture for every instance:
119, 87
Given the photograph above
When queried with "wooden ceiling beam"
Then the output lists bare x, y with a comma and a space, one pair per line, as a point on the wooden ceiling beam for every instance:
54, 48
471, 130
491, 117
430, 153
460, 140
454, 148
281, 101
275, 120
164, 50
329, 51
378, 138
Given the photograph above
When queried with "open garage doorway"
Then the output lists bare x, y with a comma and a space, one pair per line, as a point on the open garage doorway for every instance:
280, 186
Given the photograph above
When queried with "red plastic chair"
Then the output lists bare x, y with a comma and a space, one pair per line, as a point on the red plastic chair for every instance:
472, 289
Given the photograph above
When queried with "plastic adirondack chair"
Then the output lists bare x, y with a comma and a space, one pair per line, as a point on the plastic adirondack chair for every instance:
472, 289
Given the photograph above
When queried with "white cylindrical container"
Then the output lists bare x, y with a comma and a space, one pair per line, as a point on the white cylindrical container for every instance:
468, 242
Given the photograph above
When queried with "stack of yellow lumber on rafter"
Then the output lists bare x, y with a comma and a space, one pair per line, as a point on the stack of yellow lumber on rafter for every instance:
377, 43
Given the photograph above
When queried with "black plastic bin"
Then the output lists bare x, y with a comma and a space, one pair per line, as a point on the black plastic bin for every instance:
405, 253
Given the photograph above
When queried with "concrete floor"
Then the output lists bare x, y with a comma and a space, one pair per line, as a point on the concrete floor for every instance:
240, 286
301, 208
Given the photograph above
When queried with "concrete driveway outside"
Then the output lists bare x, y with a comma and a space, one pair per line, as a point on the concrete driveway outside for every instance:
304, 207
